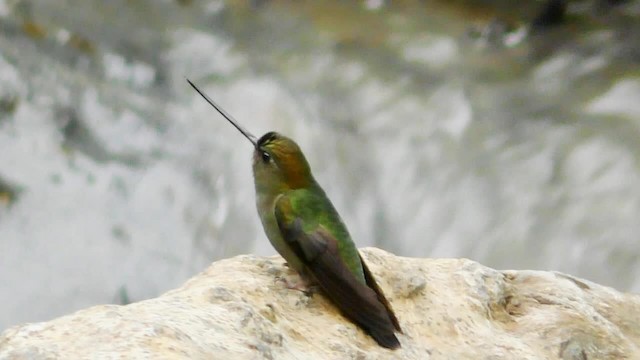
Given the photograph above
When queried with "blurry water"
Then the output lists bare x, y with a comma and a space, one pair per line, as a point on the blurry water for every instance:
434, 133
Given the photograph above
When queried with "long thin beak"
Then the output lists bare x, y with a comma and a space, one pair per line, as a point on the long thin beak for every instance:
230, 118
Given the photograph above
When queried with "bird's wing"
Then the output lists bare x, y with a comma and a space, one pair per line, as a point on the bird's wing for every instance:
371, 282
318, 251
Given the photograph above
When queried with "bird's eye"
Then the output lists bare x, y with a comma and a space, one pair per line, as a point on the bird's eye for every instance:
266, 157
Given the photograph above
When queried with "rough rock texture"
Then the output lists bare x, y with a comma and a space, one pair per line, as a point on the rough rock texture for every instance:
448, 308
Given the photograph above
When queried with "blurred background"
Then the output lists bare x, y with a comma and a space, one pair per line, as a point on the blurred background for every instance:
504, 132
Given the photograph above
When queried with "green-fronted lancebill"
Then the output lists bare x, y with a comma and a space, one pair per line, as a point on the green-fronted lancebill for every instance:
304, 227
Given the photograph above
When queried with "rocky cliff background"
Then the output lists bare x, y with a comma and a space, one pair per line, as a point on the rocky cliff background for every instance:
439, 129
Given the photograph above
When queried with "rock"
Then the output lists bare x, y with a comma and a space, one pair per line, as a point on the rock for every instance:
448, 308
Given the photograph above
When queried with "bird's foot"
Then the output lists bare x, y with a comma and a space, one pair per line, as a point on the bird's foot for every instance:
304, 286
311, 289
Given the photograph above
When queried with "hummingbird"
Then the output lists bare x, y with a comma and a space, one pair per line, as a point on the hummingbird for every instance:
306, 230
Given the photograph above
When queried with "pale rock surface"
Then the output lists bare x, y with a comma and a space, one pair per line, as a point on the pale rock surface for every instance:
448, 308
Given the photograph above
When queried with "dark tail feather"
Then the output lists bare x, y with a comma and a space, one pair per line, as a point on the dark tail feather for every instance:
371, 281
385, 339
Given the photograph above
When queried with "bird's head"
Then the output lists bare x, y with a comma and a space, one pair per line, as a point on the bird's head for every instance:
278, 162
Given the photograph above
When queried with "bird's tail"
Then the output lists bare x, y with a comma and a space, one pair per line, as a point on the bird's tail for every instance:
355, 299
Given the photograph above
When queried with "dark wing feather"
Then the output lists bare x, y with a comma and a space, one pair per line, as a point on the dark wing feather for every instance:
318, 250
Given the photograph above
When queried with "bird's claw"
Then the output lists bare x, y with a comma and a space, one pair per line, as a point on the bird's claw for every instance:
302, 285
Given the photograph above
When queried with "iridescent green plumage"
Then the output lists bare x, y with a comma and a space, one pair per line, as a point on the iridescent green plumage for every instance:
304, 227
285, 184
